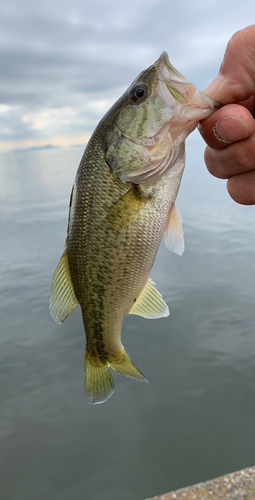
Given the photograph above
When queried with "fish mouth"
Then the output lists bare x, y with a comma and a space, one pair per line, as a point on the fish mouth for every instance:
195, 105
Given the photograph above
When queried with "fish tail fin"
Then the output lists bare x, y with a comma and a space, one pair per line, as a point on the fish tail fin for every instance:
124, 365
99, 384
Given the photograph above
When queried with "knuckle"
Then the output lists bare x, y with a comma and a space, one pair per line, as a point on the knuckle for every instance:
245, 153
235, 159
242, 188
214, 160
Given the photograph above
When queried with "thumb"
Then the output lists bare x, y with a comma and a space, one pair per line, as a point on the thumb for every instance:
236, 79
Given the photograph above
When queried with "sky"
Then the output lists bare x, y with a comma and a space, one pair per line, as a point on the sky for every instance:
64, 62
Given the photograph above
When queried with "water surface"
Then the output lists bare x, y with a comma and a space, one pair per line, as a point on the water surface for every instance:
195, 419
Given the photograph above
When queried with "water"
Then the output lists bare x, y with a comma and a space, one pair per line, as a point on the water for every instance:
195, 419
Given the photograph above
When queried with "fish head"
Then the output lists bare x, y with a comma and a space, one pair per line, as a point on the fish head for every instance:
153, 119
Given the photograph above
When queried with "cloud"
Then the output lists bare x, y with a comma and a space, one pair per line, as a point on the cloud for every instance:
64, 62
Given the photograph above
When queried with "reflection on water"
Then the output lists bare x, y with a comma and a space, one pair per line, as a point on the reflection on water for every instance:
195, 419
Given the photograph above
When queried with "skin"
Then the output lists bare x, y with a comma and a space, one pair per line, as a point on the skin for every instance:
230, 131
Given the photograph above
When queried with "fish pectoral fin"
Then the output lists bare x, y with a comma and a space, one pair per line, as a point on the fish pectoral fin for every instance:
150, 303
125, 366
99, 384
174, 238
126, 208
62, 297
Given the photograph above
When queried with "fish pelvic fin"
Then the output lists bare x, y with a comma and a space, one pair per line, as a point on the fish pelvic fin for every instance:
174, 238
62, 297
125, 366
150, 303
99, 385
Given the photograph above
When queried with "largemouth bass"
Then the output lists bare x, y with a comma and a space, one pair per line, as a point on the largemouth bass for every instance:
122, 203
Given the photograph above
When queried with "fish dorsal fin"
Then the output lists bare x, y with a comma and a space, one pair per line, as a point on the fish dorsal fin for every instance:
62, 297
174, 239
150, 303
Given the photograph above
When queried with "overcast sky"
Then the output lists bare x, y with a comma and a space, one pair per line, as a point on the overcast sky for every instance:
64, 62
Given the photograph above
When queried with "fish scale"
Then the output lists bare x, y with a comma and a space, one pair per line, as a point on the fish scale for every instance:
122, 204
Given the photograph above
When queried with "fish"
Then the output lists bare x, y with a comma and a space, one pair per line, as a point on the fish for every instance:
122, 204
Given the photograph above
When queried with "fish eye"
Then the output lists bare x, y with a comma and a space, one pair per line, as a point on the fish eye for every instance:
139, 93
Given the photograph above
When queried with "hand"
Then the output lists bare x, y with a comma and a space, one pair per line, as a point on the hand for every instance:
230, 131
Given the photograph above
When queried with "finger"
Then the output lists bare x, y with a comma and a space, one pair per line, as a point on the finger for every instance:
242, 188
249, 104
236, 79
233, 160
229, 124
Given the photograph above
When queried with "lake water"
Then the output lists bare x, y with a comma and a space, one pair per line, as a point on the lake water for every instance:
195, 420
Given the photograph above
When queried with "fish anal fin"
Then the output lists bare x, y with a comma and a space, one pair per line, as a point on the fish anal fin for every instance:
99, 384
174, 238
150, 303
62, 297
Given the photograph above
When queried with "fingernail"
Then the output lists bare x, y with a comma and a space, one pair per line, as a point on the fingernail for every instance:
231, 129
